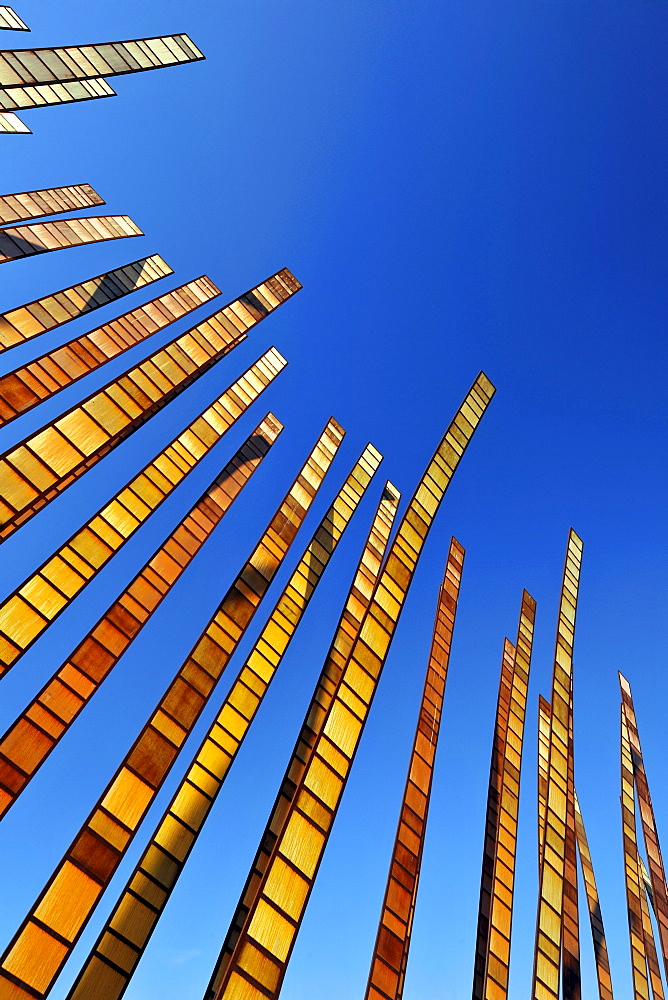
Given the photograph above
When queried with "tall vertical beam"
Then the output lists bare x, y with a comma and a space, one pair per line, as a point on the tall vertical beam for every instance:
25, 387
595, 917
390, 954
46, 462
22, 67
29, 611
650, 833
32, 960
257, 965
498, 871
347, 632
47, 201
54, 310
544, 717
35, 733
43, 94
549, 923
17, 242
570, 944
141, 904
632, 875
10, 20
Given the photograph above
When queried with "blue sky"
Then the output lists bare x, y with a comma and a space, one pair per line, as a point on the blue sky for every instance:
458, 185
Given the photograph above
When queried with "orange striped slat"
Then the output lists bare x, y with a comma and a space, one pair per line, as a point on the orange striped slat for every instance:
48, 201
41, 237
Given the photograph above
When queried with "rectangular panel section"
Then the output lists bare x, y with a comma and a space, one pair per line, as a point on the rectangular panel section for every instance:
44, 464
41, 237
594, 906
26, 613
12, 124
51, 311
10, 20
31, 738
140, 776
48, 201
315, 801
25, 387
21, 67
43, 94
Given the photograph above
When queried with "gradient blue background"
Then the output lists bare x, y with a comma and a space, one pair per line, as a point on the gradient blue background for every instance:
458, 185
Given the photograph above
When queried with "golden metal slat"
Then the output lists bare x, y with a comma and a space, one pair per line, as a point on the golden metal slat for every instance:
650, 833
47, 201
46, 94
17, 242
595, 917
570, 944
258, 963
148, 889
30, 609
498, 872
40, 379
33, 959
46, 462
347, 631
544, 722
632, 875
54, 310
390, 954
39, 728
549, 921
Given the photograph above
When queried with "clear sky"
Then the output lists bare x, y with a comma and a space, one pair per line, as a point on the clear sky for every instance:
458, 185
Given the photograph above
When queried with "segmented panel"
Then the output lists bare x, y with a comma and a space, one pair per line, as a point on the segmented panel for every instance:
257, 966
34, 605
570, 942
544, 715
22, 67
51, 311
390, 953
48, 201
55, 93
593, 903
41, 237
648, 933
650, 833
12, 123
347, 631
31, 738
9, 19
549, 922
497, 882
25, 387
46, 937
44, 464
141, 904
633, 877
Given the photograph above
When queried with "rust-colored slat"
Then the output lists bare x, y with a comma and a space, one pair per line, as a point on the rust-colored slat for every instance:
652, 846
549, 921
256, 967
32, 960
44, 464
141, 904
390, 954
632, 876
35, 734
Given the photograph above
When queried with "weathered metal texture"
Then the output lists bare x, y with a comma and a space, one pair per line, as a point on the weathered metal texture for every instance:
26, 613
54, 310
42, 94
492, 963
650, 833
550, 915
32, 737
22, 67
257, 966
632, 875
17, 242
26, 387
390, 954
47, 201
544, 715
347, 632
32, 960
595, 917
10, 20
140, 905
43, 465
